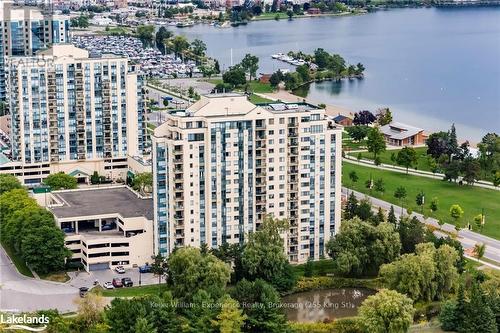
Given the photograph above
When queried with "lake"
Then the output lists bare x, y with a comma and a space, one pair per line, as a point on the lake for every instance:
431, 66
318, 305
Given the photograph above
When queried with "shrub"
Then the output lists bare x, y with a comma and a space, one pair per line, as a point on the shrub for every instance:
448, 317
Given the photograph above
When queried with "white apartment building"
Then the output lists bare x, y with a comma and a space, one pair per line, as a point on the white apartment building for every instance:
73, 113
223, 164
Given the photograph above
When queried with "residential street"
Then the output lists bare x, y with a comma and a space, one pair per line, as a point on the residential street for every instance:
466, 237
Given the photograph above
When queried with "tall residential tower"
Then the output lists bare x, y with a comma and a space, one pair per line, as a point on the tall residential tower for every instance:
223, 164
73, 113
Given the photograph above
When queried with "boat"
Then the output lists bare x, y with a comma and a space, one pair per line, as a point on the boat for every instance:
277, 56
184, 24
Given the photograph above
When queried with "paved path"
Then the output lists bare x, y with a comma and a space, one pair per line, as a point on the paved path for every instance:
466, 237
368, 163
21, 293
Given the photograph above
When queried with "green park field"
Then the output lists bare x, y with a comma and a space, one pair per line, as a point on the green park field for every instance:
472, 199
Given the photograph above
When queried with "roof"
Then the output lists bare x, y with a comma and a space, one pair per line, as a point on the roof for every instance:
76, 172
120, 200
399, 131
340, 118
226, 104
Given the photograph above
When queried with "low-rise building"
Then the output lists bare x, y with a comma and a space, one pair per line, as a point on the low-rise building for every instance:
342, 120
399, 134
104, 227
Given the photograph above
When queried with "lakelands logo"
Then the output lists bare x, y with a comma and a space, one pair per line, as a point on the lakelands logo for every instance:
32, 323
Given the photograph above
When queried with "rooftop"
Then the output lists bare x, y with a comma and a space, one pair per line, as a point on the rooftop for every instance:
399, 131
119, 200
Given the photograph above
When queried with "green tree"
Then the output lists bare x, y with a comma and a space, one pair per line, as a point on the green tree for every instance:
308, 268
351, 207
420, 200
375, 141
357, 132
364, 211
263, 256
121, 315
250, 65
276, 78
478, 315
479, 250
159, 267
379, 185
143, 326
411, 232
178, 45
235, 76
380, 217
95, 178
199, 47
471, 170
456, 212
289, 13
60, 181
400, 194
304, 72
407, 157
387, 312
360, 248
145, 34
448, 316
190, 271
143, 182
161, 38
89, 311
434, 204
231, 317
353, 176
8, 183
384, 116
391, 217
437, 144
262, 315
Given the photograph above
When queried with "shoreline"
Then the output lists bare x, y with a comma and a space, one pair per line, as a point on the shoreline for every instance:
269, 17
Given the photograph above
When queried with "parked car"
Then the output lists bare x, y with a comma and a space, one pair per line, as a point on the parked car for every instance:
117, 283
106, 227
120, 269
83, 291
68, 230
108, 285
145, 269
127, 282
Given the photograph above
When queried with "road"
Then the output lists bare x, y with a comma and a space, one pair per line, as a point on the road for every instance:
21, 293
466, 237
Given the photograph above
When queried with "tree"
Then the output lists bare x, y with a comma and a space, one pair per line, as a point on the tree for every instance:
447, 316
420, 200
400, 194
364, 117
198, 47
451, 170
145, 34
375, 141
276, 78
471, 170
231, 317
89, 310
360, 248
8, 183
289, 13
60, 181
235, 76
358, 132
178, 44
308, 268
142, 325
478, 315
379, 185
161, 37
190, 271
353, 176
364, 211
434, 204
159, 267
143, 182
262, 314
411, 232
250, 65
351, 207
387, 311
479, 250
437, 144
479, 220
407, 157
380, 217
384, 116
456, 213
391, 217
303, 71
452, 145
263, 256
95, 178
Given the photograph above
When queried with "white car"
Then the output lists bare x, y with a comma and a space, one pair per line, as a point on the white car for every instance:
108, 285
120, 270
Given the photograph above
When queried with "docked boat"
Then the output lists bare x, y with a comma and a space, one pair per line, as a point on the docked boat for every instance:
184, 24
277, 56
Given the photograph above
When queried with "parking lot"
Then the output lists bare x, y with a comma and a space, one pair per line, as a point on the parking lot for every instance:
84, 279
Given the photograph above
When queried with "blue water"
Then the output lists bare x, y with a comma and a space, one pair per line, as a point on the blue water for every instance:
431, 66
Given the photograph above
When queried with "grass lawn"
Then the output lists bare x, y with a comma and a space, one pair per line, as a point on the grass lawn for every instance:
472, 199
349, 145
253, 86
385, 157
153, 289
320, 268
17, 260
270, 16
256, 99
